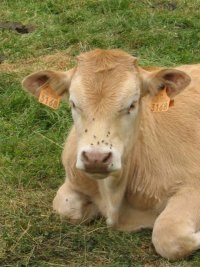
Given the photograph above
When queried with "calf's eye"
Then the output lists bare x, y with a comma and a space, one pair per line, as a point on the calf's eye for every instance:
132, 107
72, 104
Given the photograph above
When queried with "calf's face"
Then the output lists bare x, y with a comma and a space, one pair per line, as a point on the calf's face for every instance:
105, 91
105, 108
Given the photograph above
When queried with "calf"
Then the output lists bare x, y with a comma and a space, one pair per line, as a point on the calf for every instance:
130, 157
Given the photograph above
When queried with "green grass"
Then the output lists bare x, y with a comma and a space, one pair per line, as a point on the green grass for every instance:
32, 136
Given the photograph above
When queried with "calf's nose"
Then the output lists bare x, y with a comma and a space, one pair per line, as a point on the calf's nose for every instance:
95, 161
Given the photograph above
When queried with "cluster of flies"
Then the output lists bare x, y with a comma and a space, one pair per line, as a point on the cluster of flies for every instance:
102, 141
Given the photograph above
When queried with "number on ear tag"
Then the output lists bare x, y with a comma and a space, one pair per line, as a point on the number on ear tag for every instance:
49, 98
160, 102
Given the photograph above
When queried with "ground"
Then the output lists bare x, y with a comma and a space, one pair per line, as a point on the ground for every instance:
164, 33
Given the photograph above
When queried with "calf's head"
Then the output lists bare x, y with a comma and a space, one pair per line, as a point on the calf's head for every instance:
105, 91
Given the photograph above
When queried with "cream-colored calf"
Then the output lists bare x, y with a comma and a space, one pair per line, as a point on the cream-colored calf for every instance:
136, 167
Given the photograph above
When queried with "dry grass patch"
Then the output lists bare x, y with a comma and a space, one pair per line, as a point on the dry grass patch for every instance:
58, 61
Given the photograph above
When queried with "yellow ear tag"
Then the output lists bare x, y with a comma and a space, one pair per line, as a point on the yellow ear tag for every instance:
49, 98
161, 102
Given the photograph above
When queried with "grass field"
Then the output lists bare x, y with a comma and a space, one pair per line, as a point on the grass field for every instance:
31, 135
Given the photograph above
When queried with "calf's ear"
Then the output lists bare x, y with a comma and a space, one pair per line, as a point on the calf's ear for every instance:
58, 81
173, 80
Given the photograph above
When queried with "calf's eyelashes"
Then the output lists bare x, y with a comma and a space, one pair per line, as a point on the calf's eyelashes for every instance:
72, 105
129, 108
132, 106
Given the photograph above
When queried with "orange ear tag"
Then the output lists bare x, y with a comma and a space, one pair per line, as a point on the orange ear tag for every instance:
49, 98
161, 102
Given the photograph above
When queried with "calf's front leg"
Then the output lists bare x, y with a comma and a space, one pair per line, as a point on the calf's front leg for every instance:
176, 231
76, 206
112, 190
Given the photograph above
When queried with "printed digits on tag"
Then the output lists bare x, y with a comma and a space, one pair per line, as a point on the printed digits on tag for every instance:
156, 107
163, 107
55, 104
51, 101
42, 98
46, 99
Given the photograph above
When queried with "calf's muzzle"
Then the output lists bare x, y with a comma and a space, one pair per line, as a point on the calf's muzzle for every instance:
96, 161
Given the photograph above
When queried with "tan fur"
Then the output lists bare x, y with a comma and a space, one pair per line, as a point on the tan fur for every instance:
158, 185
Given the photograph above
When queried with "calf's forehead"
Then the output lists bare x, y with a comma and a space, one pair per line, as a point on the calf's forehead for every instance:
113, 88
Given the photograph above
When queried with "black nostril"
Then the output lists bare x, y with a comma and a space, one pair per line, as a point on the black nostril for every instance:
107, 157
84, 156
